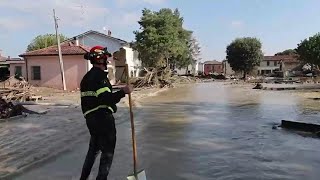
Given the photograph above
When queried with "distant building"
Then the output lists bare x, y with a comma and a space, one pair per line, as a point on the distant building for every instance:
4, 67
42, 67
94, 38
213, 67
199, 69
17, 67
284, 63
227, 69
193, 69
184, 71
7, 67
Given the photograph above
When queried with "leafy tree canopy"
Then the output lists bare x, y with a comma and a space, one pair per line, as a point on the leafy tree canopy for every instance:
244, 54
309, 50
43, 41
287, 52
163, 39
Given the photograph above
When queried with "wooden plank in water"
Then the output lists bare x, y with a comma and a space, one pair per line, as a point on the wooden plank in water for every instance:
307, 127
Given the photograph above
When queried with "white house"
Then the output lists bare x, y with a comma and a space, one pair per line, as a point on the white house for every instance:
199, 68
270, 64
194, 69
94, 38
184, 71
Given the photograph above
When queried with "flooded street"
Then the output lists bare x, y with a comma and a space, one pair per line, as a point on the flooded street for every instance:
206, 131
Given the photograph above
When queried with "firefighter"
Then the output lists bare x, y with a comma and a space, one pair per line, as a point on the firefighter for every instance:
98, 104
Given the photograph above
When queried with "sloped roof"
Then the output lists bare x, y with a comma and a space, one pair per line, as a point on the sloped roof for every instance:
98, 33
213, 62
285, 58
67, 48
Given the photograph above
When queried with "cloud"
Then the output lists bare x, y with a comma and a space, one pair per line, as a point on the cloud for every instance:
237, 24
12, 24
71, 12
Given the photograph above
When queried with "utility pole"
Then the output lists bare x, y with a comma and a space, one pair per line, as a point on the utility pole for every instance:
59, 49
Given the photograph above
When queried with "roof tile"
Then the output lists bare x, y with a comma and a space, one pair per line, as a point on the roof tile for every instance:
285, 58
213, 62
67, 48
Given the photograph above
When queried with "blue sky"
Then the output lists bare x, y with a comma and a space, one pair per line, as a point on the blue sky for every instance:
279, 24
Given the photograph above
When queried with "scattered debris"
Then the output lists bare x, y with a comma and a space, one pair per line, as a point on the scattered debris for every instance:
7, 109
154, 78
184, 79
165, 78
17, 89
258, 86
16, 82
300, 126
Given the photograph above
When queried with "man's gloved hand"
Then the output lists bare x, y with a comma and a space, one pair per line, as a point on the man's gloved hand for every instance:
127, 89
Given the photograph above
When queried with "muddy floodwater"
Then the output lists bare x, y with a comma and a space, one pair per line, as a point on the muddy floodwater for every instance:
208, 131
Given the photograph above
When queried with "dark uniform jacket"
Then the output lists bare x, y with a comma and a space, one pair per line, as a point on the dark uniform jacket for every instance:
98, 102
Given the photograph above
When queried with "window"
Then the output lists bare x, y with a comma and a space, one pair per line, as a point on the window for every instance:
268, 63
18, 71
275, 63
35, 73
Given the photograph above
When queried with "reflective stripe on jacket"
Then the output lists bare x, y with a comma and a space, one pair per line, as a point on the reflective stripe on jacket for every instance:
96, 93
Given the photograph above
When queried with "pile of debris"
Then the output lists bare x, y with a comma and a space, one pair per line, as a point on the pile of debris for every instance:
184, 79
154, 78
16, 82
162, 77
17, 89
258, 86
8, 109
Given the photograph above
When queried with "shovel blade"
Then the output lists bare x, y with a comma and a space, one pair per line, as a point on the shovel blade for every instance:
141, 175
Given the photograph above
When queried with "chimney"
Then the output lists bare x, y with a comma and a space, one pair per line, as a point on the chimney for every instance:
76, 41
109, 33
9, 57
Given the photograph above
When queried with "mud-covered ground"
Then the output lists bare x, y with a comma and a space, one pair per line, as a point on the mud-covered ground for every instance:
26, 140
199, 131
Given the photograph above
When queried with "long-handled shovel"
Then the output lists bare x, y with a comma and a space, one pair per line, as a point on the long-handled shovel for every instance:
137, 175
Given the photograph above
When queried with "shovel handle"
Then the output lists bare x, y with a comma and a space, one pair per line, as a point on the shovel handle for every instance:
134, 147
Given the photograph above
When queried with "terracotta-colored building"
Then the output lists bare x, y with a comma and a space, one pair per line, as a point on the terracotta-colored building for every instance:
42, 67
213, 67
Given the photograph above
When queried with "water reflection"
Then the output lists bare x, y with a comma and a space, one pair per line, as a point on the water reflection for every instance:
211, 131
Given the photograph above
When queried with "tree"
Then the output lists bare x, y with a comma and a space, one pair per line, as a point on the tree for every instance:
244, 54
287, 52
162, 38
195, 49
189, 56
43, 41
193, 53
309, 50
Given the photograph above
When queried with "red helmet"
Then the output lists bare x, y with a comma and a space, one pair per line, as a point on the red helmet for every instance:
97, 53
